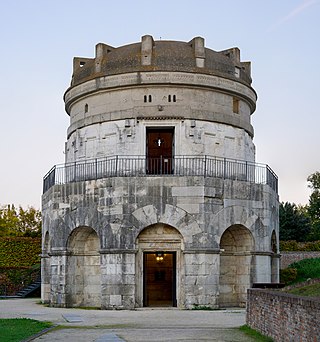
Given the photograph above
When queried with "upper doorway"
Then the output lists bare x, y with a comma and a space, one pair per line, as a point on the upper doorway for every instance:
160, 150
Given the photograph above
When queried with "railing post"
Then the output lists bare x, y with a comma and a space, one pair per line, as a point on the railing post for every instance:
224, 168
116, 166
96, 168
247, 179
205, 166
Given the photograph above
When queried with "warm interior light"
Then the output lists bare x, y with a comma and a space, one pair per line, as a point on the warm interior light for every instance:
159, 256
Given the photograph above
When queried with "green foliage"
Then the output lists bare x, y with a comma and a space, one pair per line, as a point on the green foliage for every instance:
201, 307
18, 329
291, 246
314, 206
256, 335
302, 223
314, 180
294, 222
14, 279
301, 271
312, 290
288, 275
20, 222
19, 251
19, 262
307, 269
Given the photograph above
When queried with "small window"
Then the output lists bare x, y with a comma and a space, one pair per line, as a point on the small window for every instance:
147, 98
82, 63
86, 108
173, 98
236, 105
237, 72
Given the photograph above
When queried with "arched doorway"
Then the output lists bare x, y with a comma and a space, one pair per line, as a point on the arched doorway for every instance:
159, 270
236, 245
83, 273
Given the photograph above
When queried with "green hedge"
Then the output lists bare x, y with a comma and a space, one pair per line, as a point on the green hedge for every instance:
19, 251
292, 246
19, 263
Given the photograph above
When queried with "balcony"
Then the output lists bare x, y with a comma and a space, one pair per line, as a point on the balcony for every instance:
141, 166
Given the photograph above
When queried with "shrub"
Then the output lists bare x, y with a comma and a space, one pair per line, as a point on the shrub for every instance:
292, 245
288, 275
307, 269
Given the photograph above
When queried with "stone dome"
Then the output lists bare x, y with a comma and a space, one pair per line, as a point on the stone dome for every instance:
163, 56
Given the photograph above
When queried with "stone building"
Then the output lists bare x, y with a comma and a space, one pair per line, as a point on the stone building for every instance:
160, 201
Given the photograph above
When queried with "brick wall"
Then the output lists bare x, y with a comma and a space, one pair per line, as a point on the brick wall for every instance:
283, 317
288, 258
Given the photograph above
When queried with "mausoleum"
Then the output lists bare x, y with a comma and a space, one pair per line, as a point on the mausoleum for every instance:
160, 201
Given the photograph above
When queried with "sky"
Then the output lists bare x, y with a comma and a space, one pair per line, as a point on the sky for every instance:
39, 39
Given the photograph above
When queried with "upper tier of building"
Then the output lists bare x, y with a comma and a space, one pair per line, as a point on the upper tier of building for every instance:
151, 55
137, 81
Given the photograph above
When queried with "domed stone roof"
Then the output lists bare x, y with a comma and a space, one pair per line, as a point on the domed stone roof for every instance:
150, 55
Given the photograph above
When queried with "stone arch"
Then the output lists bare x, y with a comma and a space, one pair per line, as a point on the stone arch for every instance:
71, 220
233, 215
83, 275
160, 237
172, 216
236, 245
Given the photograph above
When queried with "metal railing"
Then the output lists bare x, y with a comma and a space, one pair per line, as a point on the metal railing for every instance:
141, 166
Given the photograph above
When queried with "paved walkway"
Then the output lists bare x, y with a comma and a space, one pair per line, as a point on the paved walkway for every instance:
137, 325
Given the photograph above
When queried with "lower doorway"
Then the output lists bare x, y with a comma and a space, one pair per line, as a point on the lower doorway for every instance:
159, 270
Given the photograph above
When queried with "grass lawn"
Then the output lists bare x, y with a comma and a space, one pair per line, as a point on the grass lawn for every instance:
306, 269
18, 329
308, 290
255, 334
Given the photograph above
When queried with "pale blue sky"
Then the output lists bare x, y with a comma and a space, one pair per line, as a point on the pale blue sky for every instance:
39, 39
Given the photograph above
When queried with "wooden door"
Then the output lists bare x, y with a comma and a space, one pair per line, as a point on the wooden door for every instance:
160, 150
160, 279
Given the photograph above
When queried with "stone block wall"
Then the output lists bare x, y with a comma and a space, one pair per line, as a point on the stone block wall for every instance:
282, 316
118, 279
96, 233
288, 258
201, 279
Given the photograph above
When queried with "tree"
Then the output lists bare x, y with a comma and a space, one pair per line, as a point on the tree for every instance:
294, 222
8, 221
20, 222
314, 206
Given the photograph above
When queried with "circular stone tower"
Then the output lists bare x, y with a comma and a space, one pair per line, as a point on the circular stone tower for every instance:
159, 202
